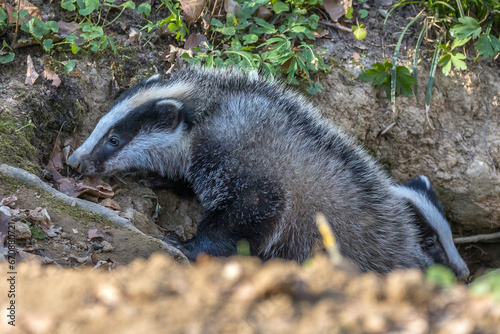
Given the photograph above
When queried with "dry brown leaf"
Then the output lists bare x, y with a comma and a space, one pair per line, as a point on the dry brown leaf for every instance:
231, 7
53, 231
91, 188
74, 260
66, 186
194, 40
31, 74
32, 10
111, 204
67, 28
52, 76
56, 155
105, 264
264, 13
336, 8
98, 235
9, 9
9, 201
192, 9
41, 217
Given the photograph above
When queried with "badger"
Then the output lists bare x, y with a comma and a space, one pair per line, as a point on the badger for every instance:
435, 233
262, 162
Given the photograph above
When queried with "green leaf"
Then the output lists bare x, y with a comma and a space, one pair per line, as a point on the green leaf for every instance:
3, 14
216, 23
487, 45
298, 29
363, 13
459, 42
231, 20
23, 13
144, 8
445, 62
74, 47
68, 5
488, 284
86, 11
128, 4
7, 58
441, 276
468, 27
112, 44
348, 15
457, 60
69, 66
250, 39
279, 7
314, 88
359, 32
52, 25
35, 27
47, 44
228, 31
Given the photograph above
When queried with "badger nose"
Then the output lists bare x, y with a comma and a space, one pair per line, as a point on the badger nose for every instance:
74, 162
463, 273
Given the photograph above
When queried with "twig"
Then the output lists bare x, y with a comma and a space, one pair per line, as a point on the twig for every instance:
476, 238
335, 25
484, 136
387, 129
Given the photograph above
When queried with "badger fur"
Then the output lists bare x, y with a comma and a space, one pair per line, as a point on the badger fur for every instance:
435, 233
262, 162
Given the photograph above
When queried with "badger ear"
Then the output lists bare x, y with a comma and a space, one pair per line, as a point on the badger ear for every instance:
426, 181
168, 113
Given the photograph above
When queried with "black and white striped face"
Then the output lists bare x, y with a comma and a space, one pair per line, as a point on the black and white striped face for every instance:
143, 132
436, 238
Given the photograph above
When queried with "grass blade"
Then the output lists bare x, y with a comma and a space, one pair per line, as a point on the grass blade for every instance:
415, 61
394, 62
430, 83
460, 8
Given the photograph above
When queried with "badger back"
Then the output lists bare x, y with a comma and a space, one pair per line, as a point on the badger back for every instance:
143, 131
436, 237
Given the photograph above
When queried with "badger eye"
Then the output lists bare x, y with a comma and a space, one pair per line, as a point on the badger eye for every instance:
428, 243
113, 141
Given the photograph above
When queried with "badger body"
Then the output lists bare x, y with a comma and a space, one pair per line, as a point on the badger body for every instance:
263, 163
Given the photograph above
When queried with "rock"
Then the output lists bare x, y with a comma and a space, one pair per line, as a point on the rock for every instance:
22, 230
106, 246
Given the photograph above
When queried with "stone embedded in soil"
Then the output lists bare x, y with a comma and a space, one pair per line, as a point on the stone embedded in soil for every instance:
22, 230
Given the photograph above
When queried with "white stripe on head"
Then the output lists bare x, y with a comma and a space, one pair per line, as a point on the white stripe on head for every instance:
122, 109
436, 220
424, 179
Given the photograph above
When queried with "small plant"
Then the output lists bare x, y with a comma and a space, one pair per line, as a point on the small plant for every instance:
488, 284
447, 25
441, 276
174, 21
382, 74
36, 232
255, 44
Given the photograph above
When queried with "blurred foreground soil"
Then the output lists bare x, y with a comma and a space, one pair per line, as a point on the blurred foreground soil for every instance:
238, 295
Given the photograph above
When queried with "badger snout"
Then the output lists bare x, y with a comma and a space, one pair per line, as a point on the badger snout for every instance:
81, 165
462, 272
74, 161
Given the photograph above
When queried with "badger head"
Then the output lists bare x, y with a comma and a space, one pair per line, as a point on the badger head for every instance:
435, 233
144, 131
